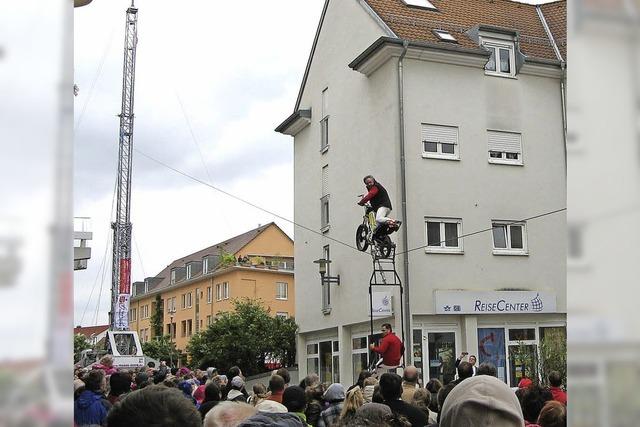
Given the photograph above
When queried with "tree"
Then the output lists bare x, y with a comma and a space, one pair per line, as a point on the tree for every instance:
80, 342
161, 348
244, 337
157, 318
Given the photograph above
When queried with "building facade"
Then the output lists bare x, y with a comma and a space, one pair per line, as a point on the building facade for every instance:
457, 108
192, 290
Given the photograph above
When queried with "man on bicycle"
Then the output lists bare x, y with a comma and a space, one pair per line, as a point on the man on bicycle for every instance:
381, 204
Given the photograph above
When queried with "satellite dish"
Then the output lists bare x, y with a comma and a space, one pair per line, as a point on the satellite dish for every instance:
80, 3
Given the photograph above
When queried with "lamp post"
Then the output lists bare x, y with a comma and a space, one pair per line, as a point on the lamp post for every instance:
322, 269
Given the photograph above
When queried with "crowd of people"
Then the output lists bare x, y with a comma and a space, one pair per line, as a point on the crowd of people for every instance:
164, 396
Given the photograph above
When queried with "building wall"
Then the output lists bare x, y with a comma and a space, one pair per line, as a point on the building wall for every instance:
271, 241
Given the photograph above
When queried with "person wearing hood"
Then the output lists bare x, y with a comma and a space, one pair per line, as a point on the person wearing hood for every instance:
91, 407
334, 396
235, 392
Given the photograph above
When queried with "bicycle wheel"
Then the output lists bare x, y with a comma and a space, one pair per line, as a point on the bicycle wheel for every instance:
361, 238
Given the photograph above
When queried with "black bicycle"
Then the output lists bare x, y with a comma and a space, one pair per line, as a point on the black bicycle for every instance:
378, 240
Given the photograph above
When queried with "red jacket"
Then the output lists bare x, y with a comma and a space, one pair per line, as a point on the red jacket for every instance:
391, 349
559, 395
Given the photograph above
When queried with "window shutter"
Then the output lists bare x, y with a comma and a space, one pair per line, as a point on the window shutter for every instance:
507, 142
325, 180
442, 134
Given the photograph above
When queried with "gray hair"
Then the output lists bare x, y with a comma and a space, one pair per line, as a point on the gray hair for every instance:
228, 414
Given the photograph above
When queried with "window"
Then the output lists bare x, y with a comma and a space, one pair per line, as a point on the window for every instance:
282, 291
445, 36
282, 314
324, 123
440, 142
218, 291
502, 60
225, 290
189, 300
173, 276
189, 271
171, 305
133, 315
205, 265
189, 327
184, 301
324, 200
504, 147
509, 238
208, 320
326, 288
209, 295
324, 360
183, 332
443, 235
420, 3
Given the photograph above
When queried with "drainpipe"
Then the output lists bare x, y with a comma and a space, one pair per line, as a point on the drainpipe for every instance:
403, 189
563, 101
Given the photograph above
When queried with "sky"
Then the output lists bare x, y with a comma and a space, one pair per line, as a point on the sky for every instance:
213, 80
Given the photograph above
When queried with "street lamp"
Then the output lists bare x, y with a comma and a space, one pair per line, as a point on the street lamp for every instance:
322, 269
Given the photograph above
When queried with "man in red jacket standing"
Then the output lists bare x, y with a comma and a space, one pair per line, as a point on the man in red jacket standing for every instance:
390, 348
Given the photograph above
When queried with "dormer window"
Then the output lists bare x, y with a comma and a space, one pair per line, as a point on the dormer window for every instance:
502, 60
189, 271
173, 276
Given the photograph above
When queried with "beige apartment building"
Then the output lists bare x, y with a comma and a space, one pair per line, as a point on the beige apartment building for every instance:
194, 289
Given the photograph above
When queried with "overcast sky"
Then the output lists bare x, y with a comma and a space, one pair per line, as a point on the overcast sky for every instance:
236, 68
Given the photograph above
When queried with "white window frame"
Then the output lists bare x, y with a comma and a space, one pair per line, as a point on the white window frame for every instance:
283, 314
209, 294
508, 250
282, 295
497, 44
439, 154
209, 320
218, 291
442, 249
422, 4
503, 160
173, 276
325, 288
324, 121
189, 300
188, 271
184, 301
225, 290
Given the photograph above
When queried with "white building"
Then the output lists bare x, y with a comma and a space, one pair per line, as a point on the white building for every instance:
411, 93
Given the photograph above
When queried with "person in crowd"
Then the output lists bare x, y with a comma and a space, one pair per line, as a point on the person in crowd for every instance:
235, 371
170, 382
211, 372
259, 394
465, 370
377, 396
273, 419
481, 401
141, 380
353, 400
227, 414
487, 368
374, 413
433, 385
221, 381
91, 407
276, 386
310, 380
78, 388
295, 401
235, 393
106, 364
315, 404
211, 398
472, 361
370, 384
119, 384
187, 390
442, 396
153, 406
174, 371
284, 373
553, 414
364, 374
390, 348
525, 383
334, 397
421, 399
409, 383
555, 382
533, 399
198, 393
391, 389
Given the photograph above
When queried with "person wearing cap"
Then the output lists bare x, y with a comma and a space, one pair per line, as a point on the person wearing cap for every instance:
481, 400
295, 401
235, 393
334, 396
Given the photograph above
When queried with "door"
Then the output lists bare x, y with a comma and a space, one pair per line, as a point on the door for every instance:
441, 351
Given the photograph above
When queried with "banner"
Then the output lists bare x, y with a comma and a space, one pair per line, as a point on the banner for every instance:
125, 276
122, 312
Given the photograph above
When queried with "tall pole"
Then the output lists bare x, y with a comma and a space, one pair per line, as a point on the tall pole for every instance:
121, 266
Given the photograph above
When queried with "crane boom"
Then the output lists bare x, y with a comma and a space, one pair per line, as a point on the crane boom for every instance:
121, 266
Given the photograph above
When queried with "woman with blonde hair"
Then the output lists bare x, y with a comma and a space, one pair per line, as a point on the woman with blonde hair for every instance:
352, 402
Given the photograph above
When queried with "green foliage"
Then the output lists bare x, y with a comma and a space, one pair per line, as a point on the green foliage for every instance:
157, 318
161, 347
227, 259
80, 342
244, 337
551, 356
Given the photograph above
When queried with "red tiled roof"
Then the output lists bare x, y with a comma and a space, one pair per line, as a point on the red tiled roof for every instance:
459, 16
90, 331
556, 16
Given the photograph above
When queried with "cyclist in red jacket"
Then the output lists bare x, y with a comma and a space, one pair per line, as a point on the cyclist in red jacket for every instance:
380, 202
391, 349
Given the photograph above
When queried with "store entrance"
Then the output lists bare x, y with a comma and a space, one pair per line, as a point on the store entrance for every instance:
441, 356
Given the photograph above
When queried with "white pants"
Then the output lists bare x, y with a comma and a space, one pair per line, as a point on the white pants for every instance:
381, 215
